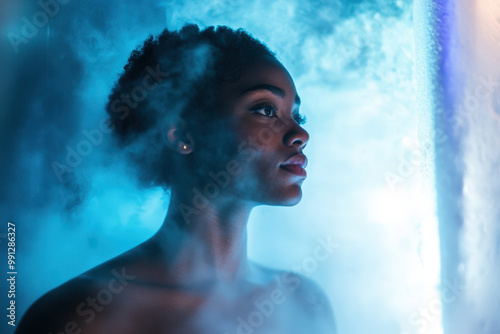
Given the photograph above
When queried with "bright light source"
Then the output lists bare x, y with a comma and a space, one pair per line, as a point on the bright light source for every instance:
390, 207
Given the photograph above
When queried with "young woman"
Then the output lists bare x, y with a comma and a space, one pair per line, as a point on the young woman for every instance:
213, 117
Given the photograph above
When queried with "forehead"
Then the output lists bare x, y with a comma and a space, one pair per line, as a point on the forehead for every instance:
262, 73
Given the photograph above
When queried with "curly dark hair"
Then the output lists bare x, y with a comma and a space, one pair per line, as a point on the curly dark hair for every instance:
175, 75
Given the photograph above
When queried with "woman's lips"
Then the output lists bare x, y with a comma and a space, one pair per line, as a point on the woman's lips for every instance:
295, 169
296, 165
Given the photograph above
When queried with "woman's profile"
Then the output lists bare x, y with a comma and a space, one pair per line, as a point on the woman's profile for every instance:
212, 117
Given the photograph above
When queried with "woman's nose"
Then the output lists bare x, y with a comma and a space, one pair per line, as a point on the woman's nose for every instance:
296, 136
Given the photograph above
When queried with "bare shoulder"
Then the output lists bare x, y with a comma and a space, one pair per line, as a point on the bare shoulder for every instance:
312, 302
56, 311
297, 285
306, 298
79, 305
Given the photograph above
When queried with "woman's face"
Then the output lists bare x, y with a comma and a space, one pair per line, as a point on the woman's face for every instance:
261, 114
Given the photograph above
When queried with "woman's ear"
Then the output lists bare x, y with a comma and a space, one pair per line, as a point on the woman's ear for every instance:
178, 141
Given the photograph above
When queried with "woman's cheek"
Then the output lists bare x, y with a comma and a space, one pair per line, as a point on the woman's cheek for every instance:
247, 151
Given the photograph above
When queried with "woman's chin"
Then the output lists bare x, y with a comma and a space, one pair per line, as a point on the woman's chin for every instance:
289, 197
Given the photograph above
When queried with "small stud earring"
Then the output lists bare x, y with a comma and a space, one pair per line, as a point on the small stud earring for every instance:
184, 147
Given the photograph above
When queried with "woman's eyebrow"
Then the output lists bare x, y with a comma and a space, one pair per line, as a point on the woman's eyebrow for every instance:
273, 89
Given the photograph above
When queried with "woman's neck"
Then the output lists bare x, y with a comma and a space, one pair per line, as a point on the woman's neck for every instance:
204, 240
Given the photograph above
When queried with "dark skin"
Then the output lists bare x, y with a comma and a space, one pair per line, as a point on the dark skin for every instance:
193, 275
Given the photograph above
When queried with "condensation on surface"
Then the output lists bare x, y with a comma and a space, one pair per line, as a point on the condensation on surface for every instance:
481, 234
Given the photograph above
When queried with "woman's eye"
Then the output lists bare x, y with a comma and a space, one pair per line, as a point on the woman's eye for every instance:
299, 118
268, 110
